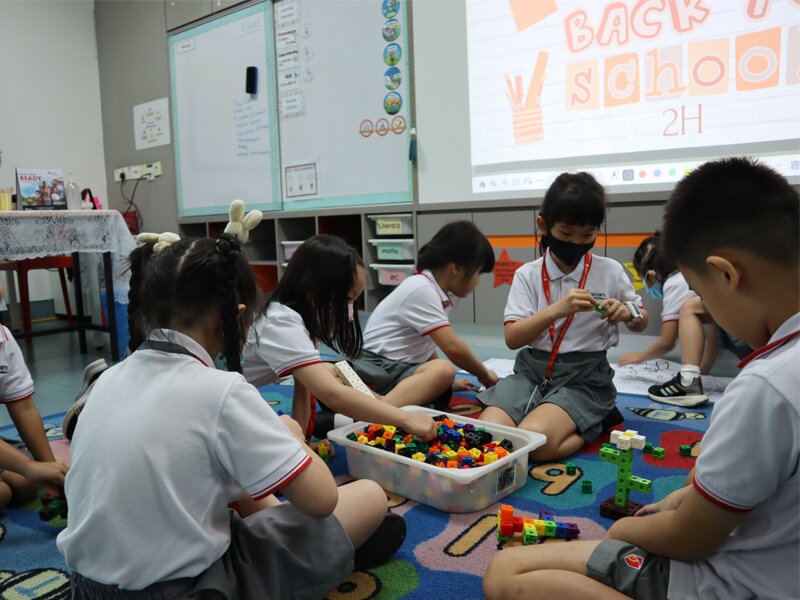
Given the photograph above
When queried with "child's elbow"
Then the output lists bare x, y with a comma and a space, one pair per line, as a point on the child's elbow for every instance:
512, 340
324, 504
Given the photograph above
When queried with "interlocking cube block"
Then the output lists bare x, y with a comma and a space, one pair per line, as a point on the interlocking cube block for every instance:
648, 447
586, 486
685, 450
570, 469
658, 452
627, 439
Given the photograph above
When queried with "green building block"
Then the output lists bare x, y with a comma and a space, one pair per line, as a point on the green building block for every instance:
658, 452
571, 469
648, 447
586, 486
685, 450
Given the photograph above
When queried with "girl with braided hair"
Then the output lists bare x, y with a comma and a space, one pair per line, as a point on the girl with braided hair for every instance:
166, 442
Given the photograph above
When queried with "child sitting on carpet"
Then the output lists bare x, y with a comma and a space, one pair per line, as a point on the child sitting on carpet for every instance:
313, 303
23, 474
406, 328
732, 532
683, 315
563, 311
165, 442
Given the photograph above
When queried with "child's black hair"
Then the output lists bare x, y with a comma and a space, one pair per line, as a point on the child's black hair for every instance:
648, 257
459, 242
316, 284
574, 199
736, 203
185, 281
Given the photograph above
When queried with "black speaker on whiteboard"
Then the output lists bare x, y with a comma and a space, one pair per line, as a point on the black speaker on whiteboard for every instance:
251, 80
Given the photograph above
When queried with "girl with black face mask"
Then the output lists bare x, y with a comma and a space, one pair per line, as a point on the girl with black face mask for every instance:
563, 311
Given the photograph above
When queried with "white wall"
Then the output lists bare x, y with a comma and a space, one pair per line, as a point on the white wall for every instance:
50, 102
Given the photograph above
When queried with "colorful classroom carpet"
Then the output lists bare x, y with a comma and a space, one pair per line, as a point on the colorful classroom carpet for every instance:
445, 554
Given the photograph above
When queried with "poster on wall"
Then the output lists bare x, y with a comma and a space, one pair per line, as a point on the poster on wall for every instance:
151, 124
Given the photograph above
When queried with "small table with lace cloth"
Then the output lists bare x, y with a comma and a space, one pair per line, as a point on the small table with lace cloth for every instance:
32, 234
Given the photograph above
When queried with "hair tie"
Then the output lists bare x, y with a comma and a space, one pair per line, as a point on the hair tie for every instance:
222, 246
240, 224
160, 241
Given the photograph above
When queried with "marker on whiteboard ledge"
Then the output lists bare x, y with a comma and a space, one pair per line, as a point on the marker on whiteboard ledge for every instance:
412, 145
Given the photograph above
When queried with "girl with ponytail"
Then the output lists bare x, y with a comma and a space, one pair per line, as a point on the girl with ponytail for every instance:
411, 324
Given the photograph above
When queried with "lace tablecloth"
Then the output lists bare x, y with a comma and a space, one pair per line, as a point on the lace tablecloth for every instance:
33, 234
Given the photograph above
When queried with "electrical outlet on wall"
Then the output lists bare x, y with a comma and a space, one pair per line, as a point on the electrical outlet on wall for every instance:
150, 171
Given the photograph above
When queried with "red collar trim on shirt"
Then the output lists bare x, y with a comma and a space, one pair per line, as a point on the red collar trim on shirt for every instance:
446, 302
756, 354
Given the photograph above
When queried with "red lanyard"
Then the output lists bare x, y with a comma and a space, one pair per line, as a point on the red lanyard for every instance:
587, 264
756, 354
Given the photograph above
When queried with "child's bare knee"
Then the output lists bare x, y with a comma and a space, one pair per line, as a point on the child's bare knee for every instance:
499, 581
444, 369
372, 495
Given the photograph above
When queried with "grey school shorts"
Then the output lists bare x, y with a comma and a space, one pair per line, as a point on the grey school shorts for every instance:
630, 570
275, 553
382, 374
582, 385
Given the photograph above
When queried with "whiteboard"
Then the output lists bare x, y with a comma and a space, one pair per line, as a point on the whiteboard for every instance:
343, 102
225, 138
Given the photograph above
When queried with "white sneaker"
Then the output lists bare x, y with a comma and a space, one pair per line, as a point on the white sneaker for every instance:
90, 373
71, 418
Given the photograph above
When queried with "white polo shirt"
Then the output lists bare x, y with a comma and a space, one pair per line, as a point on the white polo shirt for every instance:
15, 379
676, 291
749, 463
277, 344
398, 328
588, 332
164, 443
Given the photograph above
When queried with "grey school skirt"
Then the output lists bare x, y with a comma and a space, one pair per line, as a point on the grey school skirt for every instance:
582, 385
381, 374
275, 553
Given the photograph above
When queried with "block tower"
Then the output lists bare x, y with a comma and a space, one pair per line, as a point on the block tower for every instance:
620, 505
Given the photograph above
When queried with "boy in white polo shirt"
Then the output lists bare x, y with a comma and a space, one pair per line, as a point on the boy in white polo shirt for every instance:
734, 531
18, 482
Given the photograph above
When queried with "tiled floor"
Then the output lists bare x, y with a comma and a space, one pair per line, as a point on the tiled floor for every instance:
57, 365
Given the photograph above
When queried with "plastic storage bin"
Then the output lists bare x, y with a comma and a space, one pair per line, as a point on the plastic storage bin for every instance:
394, 249
392, 274
450, 490
289, 248
396, 224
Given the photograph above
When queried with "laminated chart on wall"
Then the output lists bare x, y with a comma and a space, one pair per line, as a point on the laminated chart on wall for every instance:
638, 92
224, 117
343, 102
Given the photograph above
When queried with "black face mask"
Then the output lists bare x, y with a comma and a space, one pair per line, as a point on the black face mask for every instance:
567, 252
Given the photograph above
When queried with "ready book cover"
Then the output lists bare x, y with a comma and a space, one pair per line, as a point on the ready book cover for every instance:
41, 189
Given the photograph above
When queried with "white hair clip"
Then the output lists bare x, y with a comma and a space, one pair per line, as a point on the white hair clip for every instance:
240, 224
162, 241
